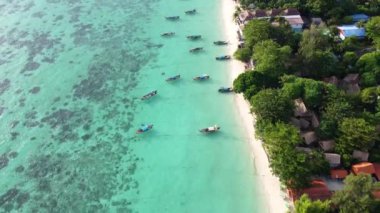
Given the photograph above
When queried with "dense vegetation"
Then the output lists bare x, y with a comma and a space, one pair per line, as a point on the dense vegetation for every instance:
329, 9
356, 197
289, 66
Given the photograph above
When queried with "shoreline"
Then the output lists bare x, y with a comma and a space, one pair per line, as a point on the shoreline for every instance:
274, 198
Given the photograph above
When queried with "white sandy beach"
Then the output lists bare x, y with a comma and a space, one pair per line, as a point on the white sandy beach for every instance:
274, 197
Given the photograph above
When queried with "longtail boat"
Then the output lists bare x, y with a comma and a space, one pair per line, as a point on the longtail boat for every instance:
168, 34
191, 12
144, 128
223, 58
172, 18
197, 49
174, 78
201, 77
225, 90
220, 43
149, 95
194, 37
211, 129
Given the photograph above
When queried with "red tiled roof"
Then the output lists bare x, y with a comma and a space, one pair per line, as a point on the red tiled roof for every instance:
377, 170
365, 167
338, 173
317, 191
376, 194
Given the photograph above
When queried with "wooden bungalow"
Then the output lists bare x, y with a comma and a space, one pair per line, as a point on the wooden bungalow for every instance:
314, 120
300, 109
309, 137
333, 159
327, 145
361, 156
351, 78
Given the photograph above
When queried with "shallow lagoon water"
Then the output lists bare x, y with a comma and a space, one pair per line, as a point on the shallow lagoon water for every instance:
71, 75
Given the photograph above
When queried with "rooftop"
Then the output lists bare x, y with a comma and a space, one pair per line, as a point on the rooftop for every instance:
351, 30
338, 173
333, 159
359, 17
309, 137
295, 20
365, 167
317, 191
327, 145
359, 155
377, 170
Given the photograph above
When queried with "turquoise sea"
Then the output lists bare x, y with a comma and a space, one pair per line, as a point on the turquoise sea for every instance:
71, 76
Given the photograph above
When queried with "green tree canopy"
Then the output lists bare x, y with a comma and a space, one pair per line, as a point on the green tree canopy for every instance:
373, 30
336, 107
315, 38
320, 7
270, 58
256, 31
251, 82
290, 165
369, 64
243, 54
369, 96
270, 104
311, 91
315, 53
355, 134
356, 196
305, 205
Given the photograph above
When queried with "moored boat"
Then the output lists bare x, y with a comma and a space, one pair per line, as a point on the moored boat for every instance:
149, 95
168, 34
144, 128
172, 18
225, 89
223, 58
220, 42
174, 78
191, 12
197, 49
211, 129
194, 37
201, 77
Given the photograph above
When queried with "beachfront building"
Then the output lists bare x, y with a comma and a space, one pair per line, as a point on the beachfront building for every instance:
318, 190
244, 17
346, 31
291, 15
